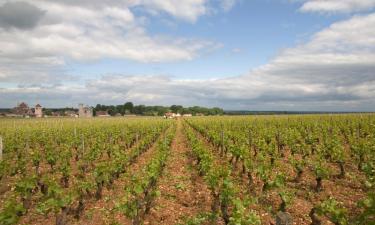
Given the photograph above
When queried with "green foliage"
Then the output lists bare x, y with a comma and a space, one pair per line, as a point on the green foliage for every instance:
241, 216
11, 212
320, 169
334, 211
367, 217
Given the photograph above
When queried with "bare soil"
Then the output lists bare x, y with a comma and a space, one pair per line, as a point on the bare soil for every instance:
183, 193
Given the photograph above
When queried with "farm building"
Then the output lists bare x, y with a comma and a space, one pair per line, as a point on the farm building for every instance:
102, 114
85, 111
24, 110
70, 113
171, 115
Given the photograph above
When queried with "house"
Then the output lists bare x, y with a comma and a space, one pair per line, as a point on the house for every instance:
56, 114
169, 115
187, 115
85, 111
102, 114
70, 113
199, 114
23, 110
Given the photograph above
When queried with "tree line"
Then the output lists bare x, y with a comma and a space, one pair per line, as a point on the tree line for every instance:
129, 108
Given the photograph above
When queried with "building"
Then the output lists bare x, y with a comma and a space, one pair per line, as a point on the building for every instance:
23, 110
70, 113
187, 115
85, 111
171, 115
102, 114
38, 111
56, 114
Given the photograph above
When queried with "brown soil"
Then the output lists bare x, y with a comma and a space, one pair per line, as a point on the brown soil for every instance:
100, 212
347, 191
183, 193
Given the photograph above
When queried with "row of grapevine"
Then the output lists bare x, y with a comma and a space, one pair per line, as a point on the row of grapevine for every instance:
138, 197
56, 169
226, 200
264, 148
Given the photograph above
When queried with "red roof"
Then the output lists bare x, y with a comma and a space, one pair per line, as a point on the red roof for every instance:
101, 113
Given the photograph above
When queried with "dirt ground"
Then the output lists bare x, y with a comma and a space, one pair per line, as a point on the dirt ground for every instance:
183, 193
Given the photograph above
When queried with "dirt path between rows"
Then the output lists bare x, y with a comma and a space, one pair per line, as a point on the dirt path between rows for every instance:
183, 193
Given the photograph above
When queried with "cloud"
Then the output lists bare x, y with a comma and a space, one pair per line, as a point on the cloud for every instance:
337, 6
332, 71
237, 50
21, 15
47, 37
227, 5
188, 10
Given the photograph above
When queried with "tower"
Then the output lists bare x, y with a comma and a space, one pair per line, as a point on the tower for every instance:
38, 111
84, 111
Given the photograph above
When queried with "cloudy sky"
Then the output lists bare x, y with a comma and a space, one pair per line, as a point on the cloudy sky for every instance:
235, 54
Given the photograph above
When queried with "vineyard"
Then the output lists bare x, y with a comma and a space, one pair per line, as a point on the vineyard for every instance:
309, 169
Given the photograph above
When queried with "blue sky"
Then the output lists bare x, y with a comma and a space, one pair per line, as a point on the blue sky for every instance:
235, 54
251, 34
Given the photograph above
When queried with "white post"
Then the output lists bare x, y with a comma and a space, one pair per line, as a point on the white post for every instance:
1, 148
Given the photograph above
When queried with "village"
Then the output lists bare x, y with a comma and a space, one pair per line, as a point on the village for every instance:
23, 110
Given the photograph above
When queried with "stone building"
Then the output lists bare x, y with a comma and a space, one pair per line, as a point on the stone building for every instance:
38, 111
85, 111
24, 110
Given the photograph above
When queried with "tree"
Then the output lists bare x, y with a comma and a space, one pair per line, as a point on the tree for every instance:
139, 109
128, 107
176, 108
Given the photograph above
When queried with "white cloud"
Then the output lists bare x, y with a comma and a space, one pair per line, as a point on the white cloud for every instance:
188, 10
227, 5
77, 30
336, 6
334, 70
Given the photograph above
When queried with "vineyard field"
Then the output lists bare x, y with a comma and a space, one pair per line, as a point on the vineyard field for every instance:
236, 170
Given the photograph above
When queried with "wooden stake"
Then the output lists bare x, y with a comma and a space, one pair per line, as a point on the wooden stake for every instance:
83, 144
1, 148
165, 141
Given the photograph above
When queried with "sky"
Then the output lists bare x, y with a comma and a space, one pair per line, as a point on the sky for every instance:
296, 55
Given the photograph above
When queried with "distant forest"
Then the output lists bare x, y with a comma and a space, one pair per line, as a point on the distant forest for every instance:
130, 108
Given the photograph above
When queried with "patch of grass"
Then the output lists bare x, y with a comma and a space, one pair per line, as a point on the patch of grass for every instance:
180, 186
170, 196
198, 219
89, 214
